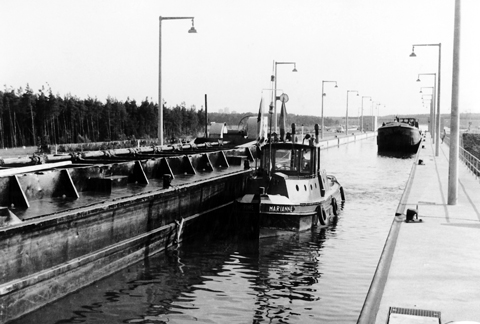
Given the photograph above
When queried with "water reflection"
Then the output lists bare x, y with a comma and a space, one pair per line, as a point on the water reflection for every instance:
288, 272
242, 281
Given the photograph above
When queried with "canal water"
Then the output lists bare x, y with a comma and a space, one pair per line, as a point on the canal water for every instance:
320, 276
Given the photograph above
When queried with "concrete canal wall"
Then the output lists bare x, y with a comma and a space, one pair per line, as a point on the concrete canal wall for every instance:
342, 139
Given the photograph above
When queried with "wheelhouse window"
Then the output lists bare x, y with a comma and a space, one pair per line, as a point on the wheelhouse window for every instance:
289, 161
285, 160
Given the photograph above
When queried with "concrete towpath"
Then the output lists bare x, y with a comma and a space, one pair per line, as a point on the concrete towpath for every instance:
431, 265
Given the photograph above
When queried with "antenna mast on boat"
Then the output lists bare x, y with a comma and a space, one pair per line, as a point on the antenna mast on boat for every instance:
270, 111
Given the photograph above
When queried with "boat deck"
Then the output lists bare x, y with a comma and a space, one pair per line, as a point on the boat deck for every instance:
53, 205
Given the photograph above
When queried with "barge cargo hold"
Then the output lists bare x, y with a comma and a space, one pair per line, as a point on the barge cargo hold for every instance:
66, 224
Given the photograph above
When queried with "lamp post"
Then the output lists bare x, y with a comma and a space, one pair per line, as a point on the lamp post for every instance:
384, 106
275, 91
160, 104
374, 106
454, 114
377, 107
425, 97
432, 129
361, 123
358, 117
437, 99
426, 102
346, 117
428, 94
323, 95
421, 91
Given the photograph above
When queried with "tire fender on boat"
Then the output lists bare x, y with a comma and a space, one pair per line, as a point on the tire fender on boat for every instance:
322, 215
334, 206
342, 194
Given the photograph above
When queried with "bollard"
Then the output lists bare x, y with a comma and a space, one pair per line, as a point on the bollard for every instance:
261, 191
411, 214
167, 181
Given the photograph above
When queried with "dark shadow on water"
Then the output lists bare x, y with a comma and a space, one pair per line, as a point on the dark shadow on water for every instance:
396, 154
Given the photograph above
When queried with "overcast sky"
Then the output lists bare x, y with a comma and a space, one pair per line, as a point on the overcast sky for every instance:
93, 48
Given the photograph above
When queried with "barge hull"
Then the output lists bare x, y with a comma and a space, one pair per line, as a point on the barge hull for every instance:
396, 138
49, 257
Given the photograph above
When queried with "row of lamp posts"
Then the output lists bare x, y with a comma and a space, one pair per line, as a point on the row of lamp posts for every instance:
435, 122
193, 30
454, 114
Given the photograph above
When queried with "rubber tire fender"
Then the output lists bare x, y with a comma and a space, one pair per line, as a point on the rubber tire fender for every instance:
342, 194
334, 207
322, 216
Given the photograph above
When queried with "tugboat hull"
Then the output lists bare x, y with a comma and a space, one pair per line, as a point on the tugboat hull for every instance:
280, 214
293, 219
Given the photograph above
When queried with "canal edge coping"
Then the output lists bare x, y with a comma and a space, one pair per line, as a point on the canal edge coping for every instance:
371, 305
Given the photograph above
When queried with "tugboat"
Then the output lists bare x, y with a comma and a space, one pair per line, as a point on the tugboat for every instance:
289, 192
401, 135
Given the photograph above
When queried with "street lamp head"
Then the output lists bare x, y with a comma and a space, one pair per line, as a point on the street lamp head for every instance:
192, 30
294, 68
418, 80
413, 52
336, 86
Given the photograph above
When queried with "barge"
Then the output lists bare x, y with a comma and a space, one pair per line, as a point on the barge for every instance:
67, 221
401, 135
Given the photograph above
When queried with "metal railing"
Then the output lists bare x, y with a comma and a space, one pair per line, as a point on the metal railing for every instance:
471, 161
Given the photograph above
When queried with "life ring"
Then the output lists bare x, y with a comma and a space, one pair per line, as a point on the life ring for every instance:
322, 215
334, 206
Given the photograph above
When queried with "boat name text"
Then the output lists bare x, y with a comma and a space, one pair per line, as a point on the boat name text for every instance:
282, 209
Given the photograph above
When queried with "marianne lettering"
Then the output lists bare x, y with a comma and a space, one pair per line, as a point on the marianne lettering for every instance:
282, 209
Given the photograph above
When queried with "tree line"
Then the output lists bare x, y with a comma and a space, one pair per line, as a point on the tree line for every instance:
42, 118
36, 119
236, 120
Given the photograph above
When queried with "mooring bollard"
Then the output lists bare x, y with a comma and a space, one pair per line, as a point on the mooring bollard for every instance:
167, 181
412, 215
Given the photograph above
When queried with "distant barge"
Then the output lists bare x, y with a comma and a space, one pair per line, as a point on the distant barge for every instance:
71, 220
403, 134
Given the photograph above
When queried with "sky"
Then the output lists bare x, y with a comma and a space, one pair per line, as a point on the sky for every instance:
110, 48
